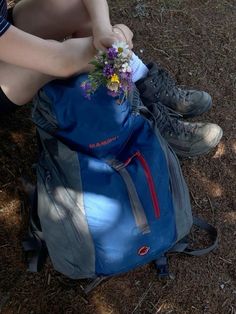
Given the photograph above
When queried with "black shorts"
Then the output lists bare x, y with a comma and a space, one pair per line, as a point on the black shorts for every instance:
6, 105
10, 15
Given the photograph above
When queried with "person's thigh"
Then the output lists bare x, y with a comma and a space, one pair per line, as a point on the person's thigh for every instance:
19, 84
52, 19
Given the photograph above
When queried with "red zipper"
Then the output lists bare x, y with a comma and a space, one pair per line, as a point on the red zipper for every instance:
150, 181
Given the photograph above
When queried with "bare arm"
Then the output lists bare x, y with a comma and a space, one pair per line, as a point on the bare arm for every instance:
48, 57
99, 14
103, 32
103, 36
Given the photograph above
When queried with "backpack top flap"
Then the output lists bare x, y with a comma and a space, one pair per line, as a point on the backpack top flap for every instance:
99, 126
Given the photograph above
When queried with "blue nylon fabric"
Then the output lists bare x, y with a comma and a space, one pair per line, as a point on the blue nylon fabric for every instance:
116, 237
111, 222
98, 126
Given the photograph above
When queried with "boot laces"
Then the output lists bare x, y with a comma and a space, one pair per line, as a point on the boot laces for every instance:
168, 121
168, 86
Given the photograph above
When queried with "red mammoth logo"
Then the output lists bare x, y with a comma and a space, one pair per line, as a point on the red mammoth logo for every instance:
143, 250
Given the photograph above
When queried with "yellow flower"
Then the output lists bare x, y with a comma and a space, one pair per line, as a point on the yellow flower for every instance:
115, 79
113, 84
120, 49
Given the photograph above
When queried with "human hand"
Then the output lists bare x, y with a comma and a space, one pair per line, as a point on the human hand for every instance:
103, 39
125, 32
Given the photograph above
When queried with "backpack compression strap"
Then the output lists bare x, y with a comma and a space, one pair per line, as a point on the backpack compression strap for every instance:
183, 247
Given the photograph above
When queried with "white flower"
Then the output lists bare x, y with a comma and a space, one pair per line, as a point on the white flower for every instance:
126, 67
122, 48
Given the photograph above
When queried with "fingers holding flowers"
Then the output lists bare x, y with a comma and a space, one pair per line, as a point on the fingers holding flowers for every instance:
105, 38
125, 33
102, 40
111, 66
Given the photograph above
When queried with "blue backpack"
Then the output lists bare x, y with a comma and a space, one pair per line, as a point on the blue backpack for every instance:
110, 192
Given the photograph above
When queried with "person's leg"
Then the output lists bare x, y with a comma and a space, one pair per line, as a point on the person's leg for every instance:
19, 84
52, 19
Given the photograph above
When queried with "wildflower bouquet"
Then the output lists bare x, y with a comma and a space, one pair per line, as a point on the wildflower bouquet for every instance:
111, 69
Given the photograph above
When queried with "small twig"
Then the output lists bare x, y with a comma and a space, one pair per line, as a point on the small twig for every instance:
224, 303
83, 299
183, 46
6, 184
5, 245
230, 5
160, 50
212, 208
226, 261
194, 199
19, 308
160, 308
49, 279
154, 306
10, 172
51, 295
143, 297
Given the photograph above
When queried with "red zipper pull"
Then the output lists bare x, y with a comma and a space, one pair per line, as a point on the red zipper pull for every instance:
151, 184
128, 161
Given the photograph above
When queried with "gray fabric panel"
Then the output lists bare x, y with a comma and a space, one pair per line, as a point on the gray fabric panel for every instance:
137, 208
179, 189
136, 205
62, 213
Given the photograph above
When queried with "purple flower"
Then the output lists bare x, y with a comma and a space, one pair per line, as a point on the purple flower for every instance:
112, 53
126, 85
86, 86
113, 93
108, 71
86, 89
126, 76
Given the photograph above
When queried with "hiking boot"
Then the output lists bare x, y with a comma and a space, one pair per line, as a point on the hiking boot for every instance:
186, 139
158, 85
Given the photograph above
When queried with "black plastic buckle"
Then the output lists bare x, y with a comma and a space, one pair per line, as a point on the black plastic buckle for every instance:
162, 267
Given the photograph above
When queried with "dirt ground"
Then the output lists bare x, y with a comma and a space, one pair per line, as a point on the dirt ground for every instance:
196, 42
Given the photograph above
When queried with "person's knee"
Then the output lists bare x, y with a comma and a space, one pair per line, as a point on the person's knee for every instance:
20, 85
52, 18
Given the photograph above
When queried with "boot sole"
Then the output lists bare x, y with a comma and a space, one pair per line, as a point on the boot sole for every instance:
198, 153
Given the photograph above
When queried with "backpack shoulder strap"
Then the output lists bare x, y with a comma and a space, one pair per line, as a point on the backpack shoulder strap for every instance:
33, 243
183, 246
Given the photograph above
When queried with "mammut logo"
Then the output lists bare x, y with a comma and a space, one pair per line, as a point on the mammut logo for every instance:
143, 250
103, 143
